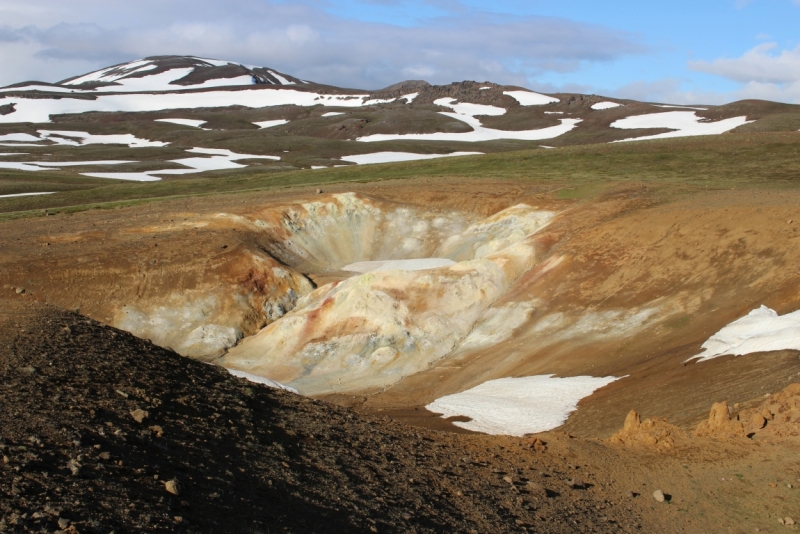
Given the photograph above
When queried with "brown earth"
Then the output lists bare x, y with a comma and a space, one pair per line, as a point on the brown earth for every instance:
101, 431
700, 259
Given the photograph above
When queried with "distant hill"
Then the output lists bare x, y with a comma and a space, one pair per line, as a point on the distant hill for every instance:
239, 116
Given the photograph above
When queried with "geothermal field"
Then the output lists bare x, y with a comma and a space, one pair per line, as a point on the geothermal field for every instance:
280, 308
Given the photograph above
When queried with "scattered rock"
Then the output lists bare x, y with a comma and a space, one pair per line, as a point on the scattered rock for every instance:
172, 486
139, 415
508, 479
157, 430
63, 523
105, 456
74, 467
576, 483
656, 432
788, 521
630, 494
659, 496
20, 290
536, 444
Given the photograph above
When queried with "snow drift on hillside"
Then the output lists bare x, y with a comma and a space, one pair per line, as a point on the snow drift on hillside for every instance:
389, 157
761, 330
605, 105
467, 112
39, 110
194, 123
518, 406
684, 124
529, 98
220, 159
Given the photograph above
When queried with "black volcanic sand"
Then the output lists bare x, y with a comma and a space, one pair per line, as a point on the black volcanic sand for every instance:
243, 457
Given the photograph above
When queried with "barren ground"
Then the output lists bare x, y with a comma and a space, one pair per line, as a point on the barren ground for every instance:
260, 460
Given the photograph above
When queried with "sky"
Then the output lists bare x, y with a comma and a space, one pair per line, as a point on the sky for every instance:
679, 52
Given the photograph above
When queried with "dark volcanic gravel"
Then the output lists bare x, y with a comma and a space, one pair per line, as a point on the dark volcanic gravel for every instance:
101, 431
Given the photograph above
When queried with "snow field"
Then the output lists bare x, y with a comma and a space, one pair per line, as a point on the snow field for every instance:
467, 112
605, 105
519, 406
40, 110
389, 157
27, 194
54, 165
529, 98
220, 159
270, 124
195, 123
761, 330
684, 124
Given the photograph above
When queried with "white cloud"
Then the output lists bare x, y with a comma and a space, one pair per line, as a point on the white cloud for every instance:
758, 64
765, 72
56, 37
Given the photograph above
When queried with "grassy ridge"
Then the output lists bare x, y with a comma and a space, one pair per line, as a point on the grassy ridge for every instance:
753, 159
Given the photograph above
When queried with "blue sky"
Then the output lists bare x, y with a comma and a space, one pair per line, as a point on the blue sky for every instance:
680, 52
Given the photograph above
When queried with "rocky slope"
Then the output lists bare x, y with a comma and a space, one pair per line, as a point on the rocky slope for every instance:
101, 431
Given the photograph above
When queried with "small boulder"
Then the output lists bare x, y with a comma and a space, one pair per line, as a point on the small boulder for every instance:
139, 415
659, 496
172, 486
576, 483
74, 467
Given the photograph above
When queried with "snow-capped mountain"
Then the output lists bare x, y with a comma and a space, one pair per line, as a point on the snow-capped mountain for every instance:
174, 73
278, 120
163, 74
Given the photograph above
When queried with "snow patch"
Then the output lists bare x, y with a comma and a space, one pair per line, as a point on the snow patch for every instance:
220, 159
529, 98
270, 124
63, 137
468, 109
605, 105
420, 264
389, 157
466, 112
332, 113
679, 107
683, 124
409, 98
519, 406
280, 78
27, 194
761, 330
39, 110
153, 82
22, 137
55, 165
195, 123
